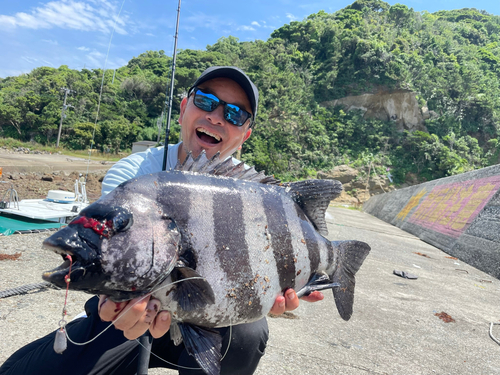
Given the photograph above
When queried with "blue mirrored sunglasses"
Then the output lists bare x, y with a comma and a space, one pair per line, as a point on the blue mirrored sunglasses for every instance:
209, 102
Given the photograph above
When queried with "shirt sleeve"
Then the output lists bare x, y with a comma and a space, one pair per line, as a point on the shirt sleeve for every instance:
149, 161
122, 171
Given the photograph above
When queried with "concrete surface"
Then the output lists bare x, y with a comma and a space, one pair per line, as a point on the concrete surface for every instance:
393, 330
459, 214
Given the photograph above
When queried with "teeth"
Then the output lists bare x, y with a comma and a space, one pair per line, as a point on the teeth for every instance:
201, 130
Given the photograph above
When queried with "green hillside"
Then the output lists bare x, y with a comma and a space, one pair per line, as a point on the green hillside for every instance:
450, 59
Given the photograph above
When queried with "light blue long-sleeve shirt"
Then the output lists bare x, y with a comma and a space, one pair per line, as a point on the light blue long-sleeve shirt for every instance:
140, 163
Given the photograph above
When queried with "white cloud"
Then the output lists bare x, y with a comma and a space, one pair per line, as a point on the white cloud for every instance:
96, 59
48, 63
82, 48
29, 59
54, 42
245, 28
149, 34
204, 20
69, 14
12, 72
255, 23
265, 25
291, 17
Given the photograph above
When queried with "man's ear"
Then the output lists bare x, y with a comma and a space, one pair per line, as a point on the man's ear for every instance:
247, 135
183, 109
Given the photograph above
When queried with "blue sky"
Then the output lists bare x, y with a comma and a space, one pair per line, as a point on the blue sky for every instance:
76, 33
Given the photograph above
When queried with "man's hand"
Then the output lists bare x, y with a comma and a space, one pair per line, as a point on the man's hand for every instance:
136, 320
290, 302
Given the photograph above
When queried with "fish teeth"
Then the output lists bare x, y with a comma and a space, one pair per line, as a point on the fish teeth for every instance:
201, 130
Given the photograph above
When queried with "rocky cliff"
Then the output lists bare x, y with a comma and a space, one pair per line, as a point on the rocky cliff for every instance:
400, 106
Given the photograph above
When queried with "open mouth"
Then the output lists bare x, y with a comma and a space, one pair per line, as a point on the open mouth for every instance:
61, 271
207, 137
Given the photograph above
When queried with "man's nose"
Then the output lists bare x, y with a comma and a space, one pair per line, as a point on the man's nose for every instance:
216, 117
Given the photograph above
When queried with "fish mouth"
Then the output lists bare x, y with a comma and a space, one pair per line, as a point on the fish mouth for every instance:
208, 137
71, 262
76, 254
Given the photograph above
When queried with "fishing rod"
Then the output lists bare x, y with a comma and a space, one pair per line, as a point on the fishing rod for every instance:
167, 130
146, 340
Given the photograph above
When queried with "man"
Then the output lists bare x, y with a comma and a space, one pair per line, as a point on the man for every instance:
216, 116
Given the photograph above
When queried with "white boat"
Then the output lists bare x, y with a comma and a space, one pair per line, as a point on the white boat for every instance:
59, 206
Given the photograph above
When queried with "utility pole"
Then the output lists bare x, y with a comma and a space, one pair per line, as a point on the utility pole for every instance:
66, 92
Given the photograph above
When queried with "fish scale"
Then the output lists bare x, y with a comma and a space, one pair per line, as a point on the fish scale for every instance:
308, 232
302, 263
263, 263
216, 248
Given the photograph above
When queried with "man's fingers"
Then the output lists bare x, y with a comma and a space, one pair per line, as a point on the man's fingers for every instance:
314, 297
142, 324
279, 306
291, 300
160, 325
288, 302
124, 315
110, 310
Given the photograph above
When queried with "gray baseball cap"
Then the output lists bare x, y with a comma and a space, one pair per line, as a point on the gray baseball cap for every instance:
237, 75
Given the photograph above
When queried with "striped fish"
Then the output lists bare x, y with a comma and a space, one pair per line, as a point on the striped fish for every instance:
215, 243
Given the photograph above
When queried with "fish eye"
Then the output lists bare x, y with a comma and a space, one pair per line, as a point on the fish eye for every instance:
122, 222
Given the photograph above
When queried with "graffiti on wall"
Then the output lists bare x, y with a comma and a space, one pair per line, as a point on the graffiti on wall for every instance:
412, 203
450, 208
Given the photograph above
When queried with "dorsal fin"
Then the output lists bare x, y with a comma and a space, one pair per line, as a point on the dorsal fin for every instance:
314, 196
225, 168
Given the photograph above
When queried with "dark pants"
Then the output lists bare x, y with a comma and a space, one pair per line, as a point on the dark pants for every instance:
112, 353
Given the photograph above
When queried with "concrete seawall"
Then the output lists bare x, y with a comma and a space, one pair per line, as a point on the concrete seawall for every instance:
459, 214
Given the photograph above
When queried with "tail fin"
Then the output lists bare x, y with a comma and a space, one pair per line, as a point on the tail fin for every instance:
351, 257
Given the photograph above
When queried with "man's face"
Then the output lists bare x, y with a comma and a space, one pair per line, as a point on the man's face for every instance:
209, 131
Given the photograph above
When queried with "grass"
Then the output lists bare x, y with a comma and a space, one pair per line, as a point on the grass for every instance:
11, 142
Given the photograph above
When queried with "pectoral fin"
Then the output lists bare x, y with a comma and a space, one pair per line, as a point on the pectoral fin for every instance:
192, 290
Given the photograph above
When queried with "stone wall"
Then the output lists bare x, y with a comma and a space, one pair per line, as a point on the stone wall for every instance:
458, 214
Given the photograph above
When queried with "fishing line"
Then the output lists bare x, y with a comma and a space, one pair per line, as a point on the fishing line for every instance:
164, 360
124, 312
102, 85
190, 368
130, 307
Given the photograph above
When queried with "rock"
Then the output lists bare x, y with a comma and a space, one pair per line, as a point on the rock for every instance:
347, 198
14, 176
47, 178
425, 113
411, 178
363, 196
433, 114
342, 173
400, 106
357, 184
